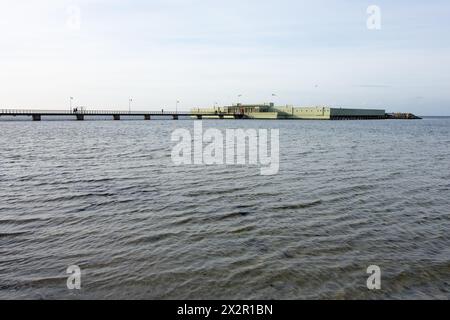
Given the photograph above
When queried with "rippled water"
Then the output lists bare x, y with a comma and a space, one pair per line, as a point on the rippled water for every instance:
105, 196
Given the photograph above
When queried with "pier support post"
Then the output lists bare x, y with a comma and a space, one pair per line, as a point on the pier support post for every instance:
116, 117
80, 117
175, 117
199, 117
36, 117
221, 116
147, 117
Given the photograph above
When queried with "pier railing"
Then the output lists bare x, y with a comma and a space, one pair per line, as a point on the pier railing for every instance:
81, 113
89, 112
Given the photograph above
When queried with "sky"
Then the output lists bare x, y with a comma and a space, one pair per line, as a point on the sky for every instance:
202, 52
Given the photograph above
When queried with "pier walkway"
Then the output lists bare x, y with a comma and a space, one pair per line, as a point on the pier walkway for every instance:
36, 115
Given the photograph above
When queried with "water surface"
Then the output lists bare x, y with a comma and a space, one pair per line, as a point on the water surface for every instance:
105, 196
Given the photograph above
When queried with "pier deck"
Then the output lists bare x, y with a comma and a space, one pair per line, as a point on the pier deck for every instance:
36, 115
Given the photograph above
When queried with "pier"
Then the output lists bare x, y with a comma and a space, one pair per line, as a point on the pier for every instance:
37, 115
235, 112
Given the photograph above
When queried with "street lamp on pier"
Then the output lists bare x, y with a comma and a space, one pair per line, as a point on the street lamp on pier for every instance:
239, 98
71, 99
274, 96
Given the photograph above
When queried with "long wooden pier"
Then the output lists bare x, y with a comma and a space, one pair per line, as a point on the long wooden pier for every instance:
37, 115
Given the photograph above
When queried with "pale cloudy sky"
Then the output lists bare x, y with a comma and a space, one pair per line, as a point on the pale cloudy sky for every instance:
206, 51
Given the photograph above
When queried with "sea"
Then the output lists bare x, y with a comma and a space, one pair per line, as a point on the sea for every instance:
107, 198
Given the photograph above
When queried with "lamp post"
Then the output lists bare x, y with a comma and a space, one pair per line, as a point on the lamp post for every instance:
273, 96
239, 98
129, 105
71, 99
176, 106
